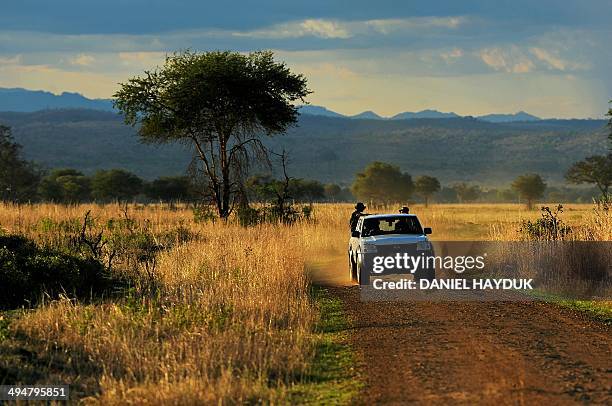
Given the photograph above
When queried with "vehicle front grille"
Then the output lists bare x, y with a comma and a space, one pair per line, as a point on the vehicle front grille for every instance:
392, 249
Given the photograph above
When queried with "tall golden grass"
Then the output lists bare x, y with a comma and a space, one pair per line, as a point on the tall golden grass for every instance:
232, 319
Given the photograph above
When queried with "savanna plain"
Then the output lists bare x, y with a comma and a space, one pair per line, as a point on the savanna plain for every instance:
197, 310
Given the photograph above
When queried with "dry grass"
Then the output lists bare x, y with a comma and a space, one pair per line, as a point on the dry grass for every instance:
232, 318
231, 321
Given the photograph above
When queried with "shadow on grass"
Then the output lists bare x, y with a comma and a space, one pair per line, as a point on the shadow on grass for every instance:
27, 361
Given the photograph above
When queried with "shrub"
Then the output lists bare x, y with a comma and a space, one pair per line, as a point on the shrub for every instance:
27, 271
548, 228
204, 214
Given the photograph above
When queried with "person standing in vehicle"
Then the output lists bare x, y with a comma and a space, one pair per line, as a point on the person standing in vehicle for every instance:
359, 208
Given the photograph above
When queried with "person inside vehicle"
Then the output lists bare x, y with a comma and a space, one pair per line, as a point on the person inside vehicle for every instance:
402, 226
407, 225
371, 227
359, 208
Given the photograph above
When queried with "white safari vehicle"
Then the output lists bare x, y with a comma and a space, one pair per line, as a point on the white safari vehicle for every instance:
387, 235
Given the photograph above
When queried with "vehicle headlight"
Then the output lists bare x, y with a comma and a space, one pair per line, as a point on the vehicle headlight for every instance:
423, 246
367, 248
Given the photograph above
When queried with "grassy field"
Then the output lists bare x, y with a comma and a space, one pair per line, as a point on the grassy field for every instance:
206, 311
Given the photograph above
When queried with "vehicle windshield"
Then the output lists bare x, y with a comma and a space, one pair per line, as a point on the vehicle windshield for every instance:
391, 225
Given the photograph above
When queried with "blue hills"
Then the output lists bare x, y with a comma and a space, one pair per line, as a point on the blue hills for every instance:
24, 100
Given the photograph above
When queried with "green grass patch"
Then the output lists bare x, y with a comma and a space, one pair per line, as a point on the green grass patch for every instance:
597, 310
332, 377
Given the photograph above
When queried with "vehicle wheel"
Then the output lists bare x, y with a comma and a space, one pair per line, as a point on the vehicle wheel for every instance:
429, 274
363, 277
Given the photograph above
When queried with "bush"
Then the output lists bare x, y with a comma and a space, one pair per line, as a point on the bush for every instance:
204, 214
549, 227
27, 271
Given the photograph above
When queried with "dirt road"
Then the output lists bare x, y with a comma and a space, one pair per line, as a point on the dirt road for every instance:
474, 352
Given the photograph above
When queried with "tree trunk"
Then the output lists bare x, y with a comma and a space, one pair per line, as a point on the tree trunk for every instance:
224, 209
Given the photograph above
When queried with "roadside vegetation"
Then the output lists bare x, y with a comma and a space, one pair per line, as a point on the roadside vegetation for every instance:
194, 309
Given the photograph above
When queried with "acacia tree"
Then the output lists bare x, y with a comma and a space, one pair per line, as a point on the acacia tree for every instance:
530, 187
595, 170
221, 103
382, 182
65, 185
426, 186
466, 193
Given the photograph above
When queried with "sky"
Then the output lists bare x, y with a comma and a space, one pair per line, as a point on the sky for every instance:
549, 58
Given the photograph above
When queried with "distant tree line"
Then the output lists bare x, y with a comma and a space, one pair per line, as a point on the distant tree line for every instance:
384, 183
22, 181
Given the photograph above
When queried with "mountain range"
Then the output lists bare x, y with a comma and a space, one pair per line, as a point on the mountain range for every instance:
330, 149
24, 100
408, 115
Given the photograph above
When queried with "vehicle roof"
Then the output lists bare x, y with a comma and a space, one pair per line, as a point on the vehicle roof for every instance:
387, 215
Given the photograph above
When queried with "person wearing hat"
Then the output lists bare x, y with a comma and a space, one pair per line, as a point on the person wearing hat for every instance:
359, 208
404, 210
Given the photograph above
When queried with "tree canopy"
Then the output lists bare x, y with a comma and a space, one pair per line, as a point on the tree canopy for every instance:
426, 186
466, 192
382, 182
65, 185
219, 102
530, 186
265, 188
595, 170
115, 184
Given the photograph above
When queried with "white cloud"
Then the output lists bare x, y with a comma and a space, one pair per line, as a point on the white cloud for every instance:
554, 61
388, 26
452, 55
311, 27
511, 60
82, 60
324, 28
545, 56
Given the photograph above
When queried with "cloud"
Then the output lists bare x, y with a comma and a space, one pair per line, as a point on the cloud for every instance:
323, 29
336, 29
452, 55
545, 56
511, 60
10, 60
387, 26
554, 61
82, 60
319, 28
141, 59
